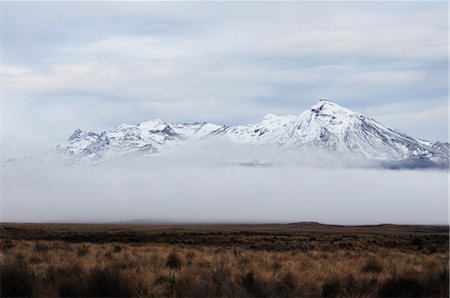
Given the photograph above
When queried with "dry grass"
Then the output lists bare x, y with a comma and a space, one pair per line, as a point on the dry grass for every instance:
168, 270
61, 268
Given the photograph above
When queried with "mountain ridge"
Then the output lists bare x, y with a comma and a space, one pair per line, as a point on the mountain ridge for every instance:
326, 127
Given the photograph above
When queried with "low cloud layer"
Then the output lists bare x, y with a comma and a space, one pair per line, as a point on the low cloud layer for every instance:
157, 192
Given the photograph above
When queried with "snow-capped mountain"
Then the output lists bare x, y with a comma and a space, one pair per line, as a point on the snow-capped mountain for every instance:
326, 128
148, 137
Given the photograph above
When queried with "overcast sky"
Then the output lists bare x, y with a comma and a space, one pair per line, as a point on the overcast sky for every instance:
96, 65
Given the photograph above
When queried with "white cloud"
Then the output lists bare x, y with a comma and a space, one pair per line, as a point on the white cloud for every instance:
214, 194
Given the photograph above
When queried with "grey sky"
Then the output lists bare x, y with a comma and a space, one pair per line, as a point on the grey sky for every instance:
96, 65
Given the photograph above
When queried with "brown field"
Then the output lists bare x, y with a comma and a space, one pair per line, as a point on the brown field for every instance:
298, 260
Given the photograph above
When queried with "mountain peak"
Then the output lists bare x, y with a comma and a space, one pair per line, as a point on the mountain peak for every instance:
326, 106
155, 124
76, 134
269, 117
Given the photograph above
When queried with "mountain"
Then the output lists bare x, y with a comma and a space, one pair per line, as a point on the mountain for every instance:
148, 137
325, 128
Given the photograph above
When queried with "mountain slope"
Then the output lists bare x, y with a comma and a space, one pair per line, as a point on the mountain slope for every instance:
145, 138
326, 128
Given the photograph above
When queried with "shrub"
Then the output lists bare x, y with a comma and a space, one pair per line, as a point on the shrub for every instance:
419, 242
174, 261
166, 284
73, 286
252, 285
221, 276
288, 284
61, 277
436, 282
373, 265
34, 259
117, 248
41, 246
82, 250
332, 287
248, 282
185, 282
107, 282
402, 286
276, 266
16, 279
359, 287
190, 256
6, 244
431, 249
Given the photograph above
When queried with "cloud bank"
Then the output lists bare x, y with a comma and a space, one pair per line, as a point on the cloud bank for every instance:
171, 192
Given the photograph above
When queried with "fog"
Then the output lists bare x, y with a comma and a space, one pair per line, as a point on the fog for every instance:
173, 192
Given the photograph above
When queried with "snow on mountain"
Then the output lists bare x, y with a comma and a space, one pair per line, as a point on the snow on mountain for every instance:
148, 137
326, 127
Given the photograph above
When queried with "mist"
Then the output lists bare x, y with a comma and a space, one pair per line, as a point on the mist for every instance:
171, 192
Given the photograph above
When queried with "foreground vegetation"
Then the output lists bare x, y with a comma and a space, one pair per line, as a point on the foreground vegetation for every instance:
418, 267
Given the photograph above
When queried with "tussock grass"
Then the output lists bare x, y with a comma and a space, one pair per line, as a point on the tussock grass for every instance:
223, 261
56, 268
17, 279
373, 265
174, 261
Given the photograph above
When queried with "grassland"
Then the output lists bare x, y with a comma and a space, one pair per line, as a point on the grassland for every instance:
298, 260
